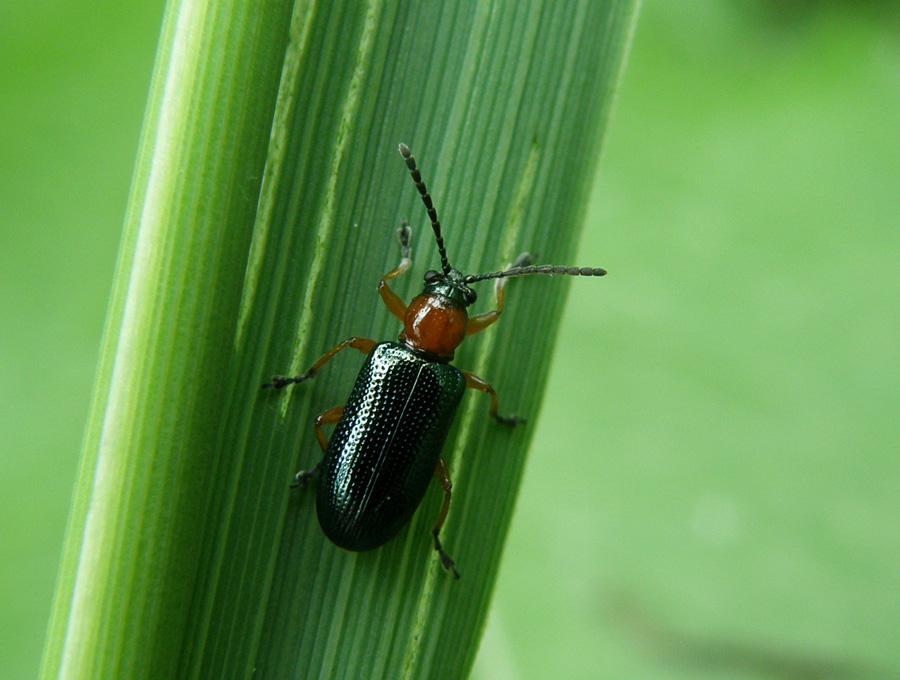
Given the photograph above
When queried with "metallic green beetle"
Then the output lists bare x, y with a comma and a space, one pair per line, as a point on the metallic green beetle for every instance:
389, 436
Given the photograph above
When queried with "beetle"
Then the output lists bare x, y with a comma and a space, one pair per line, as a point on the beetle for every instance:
387, 442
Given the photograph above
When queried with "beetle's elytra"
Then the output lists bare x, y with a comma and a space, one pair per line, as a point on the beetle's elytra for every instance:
387, 442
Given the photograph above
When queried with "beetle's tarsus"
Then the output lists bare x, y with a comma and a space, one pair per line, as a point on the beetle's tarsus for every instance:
404, 235
280, 381
446, 562
523, 260
302, 477
509, 421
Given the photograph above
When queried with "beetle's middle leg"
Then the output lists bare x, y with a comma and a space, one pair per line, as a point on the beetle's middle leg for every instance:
483, 385
364, 345
443, 475
329, 417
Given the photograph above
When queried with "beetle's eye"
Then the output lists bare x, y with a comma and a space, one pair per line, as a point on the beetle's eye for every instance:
471, 296
431, 276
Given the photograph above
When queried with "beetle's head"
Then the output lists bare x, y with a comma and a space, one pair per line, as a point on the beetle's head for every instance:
435, 322
450, 285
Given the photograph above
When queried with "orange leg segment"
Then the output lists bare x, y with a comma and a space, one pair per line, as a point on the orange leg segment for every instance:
329, 417
481, 321
482, 385
443, 475
391, 300
364, 345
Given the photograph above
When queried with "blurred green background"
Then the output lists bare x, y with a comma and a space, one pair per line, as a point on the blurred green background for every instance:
714, 487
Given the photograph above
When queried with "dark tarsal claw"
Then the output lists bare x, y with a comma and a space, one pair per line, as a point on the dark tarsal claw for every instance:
404, 234
509, 421
302, 477
280, 381
523, 260
447, 563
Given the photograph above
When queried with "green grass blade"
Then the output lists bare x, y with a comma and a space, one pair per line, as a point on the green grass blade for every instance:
266, 196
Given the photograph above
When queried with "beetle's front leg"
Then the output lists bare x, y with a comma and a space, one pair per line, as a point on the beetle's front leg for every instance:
482, 385
391, 300
364, 345
481, 321
443, 475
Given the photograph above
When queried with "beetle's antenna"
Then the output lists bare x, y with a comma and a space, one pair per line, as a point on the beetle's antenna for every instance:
536, 269
429, 205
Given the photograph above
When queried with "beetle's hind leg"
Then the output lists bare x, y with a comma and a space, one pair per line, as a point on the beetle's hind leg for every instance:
443, 475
